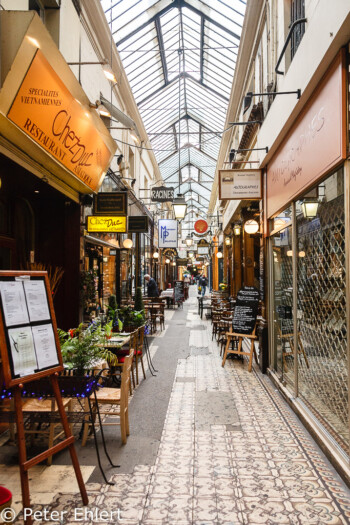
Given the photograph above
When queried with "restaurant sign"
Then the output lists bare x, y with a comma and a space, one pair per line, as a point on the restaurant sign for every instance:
316, 143
240, 184
111, 203
138, 224
102, 224
203, 247
201, 226
46, 111
162, 194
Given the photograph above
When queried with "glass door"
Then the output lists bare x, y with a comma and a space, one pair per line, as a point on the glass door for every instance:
282, 310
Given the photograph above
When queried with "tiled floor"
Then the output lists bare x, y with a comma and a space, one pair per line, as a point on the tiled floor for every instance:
231, 453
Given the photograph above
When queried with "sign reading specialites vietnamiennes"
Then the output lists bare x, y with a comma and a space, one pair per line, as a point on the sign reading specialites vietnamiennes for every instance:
48, 113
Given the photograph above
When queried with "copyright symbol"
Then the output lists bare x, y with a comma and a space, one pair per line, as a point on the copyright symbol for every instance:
7, 515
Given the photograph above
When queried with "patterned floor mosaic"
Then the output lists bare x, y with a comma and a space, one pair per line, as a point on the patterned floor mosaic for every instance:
257, 467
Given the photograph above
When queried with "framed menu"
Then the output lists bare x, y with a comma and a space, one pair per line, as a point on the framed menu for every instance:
28, 332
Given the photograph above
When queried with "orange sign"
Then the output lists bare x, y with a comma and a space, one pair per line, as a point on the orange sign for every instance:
314, 145
201, 226
47, 112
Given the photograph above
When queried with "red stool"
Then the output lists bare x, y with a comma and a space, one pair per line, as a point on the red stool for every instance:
5, 499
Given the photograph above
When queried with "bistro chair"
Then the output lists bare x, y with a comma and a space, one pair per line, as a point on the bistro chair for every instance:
118, 398
46, 406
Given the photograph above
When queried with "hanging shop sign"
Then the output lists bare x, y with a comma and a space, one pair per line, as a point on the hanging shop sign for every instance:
138, 224
162, 194
240, 184
246, 310
315, 144
203, 247
201, 226
46, 111
111, 203
101, 224
167, 233
181, 262
170, 252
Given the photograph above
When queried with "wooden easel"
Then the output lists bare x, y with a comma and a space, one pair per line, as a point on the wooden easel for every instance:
239, 351
244, 324
17, 384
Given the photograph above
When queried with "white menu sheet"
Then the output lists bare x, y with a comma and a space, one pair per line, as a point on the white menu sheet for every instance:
14, 303
45, 345
36, 300
22, 350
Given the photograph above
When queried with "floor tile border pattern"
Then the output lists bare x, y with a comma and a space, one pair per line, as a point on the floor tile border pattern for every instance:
306, 444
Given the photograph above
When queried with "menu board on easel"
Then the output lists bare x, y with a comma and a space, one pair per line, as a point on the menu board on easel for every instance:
179, 292
246, 310
28, 332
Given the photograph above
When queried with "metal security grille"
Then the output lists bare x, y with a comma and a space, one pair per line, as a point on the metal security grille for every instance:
322, 316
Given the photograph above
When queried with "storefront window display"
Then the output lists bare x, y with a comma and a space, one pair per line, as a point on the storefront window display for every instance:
283, 322
309, 305
322, 306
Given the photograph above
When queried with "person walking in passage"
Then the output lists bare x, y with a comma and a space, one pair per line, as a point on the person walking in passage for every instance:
152, 288
203, 283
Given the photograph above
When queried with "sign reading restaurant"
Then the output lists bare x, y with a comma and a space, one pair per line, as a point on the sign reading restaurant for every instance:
240, 184
48, 113
102, 224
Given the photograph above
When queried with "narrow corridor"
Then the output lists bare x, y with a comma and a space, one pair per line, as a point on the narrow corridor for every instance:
231, 451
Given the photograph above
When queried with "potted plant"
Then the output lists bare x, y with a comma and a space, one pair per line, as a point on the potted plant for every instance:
131, 318
113, 314
79, 348
139, 305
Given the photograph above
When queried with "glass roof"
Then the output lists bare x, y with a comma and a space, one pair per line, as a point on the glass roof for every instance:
180, 57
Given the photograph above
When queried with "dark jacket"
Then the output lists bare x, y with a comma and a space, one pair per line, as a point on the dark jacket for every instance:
152, 288
203, 281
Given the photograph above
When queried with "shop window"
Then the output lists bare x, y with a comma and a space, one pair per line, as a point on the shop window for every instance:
282, 316
323, 385
297, 11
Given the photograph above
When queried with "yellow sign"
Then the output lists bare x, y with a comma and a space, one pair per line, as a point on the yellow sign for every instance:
99, 224
46, 111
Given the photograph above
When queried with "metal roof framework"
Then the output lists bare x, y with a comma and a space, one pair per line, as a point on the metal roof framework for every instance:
179, 57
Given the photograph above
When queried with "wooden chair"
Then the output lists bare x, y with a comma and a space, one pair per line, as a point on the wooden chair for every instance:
288, 339
48, 406
238, 351
118, 398
124, 352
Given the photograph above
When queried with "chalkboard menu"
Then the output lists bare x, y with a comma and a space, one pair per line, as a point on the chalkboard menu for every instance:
246, 310
179, 293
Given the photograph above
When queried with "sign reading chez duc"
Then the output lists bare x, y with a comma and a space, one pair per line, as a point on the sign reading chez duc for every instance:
48, 113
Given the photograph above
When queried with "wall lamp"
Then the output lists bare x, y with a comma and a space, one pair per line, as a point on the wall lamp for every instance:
251, 226
237, 229
227, 241
233, 152
249, 96
309, 208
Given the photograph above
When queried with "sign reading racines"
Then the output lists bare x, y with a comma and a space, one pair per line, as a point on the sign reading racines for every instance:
162, 194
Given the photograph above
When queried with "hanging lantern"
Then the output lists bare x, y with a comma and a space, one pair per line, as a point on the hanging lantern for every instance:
251, 226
